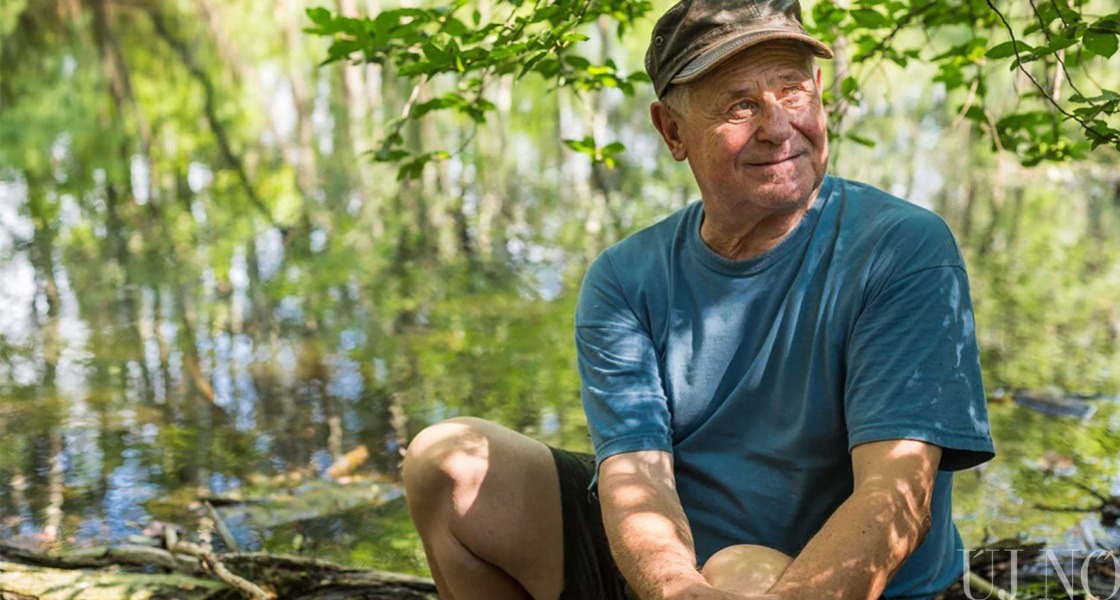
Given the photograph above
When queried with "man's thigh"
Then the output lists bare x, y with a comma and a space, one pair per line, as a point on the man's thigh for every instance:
589, 569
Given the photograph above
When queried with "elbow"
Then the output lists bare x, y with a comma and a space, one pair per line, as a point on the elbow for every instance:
907, 519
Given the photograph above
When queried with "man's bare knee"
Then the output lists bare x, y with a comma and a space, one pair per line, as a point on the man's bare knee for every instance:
446, 457
434, 445
745, 568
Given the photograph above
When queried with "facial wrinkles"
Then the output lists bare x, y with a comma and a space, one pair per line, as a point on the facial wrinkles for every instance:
773, 78
760, 80
768, 154
779, 66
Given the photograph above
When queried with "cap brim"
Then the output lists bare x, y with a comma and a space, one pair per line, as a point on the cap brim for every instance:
706, 62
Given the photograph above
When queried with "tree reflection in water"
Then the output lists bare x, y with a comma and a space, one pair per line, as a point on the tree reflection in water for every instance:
206, 286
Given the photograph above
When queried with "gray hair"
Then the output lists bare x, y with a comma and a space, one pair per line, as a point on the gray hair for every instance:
677, 98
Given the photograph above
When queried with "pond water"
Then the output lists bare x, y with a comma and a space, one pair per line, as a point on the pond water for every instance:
128, 404
209, 290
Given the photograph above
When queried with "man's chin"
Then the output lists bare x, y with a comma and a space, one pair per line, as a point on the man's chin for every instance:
782, 197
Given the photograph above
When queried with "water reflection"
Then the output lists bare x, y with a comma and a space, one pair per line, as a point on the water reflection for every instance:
1045, 466
123, 405
160, 341
203, 391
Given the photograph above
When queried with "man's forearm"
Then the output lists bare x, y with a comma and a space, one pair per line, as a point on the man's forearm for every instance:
651, 551
854, 555
863, 543
647, 529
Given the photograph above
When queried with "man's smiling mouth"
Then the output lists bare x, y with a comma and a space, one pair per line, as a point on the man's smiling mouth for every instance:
771, 163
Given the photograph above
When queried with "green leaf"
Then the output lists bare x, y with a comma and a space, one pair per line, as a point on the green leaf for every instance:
1101, 43
870, 19
950, 74
449, 100
507, 51
320, 16
613, 149
860, 140
1047, 13
549, 66
584, 146
1088, 112
454, 27
387, 155
440, 57
531, 63
1109, 23
343, 48
1007, 49
1106, 97
577, 62
975, 113
1057, 43
350, 25
385, 22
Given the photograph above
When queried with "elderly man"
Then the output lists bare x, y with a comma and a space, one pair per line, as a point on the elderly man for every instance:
788, 364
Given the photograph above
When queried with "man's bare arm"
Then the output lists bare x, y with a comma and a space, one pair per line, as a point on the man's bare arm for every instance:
648, 532
863, 543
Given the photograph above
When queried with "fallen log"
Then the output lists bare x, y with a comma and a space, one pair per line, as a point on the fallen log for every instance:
99, 573
22, 582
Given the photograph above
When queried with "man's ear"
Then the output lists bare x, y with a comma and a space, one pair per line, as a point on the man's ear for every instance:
668, 125
819, 79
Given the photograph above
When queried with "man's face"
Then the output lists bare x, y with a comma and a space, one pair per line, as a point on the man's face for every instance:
753, 130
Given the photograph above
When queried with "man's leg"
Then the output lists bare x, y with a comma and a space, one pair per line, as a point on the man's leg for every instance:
486, 502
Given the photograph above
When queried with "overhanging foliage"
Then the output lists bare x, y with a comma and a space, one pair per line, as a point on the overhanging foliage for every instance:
1052, 45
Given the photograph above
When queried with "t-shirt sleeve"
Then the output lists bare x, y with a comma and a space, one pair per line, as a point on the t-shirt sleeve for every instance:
620, 382
913, 368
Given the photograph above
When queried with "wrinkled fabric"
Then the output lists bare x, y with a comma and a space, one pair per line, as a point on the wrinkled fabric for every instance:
761, 375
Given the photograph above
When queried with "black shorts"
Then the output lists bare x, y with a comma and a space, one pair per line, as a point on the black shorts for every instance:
589, 569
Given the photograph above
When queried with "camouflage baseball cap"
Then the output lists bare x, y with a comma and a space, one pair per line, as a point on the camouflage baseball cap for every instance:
694, 36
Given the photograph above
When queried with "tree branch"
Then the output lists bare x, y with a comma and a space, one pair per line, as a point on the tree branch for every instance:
211, 110
898, 26
1113, 138
1057, 55
210, 561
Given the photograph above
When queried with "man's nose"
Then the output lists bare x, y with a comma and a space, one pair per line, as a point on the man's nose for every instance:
774, 124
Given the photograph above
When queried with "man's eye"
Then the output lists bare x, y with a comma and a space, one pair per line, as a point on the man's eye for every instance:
743, 107
795, 95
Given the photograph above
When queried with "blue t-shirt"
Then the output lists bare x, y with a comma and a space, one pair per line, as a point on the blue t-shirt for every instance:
760, 375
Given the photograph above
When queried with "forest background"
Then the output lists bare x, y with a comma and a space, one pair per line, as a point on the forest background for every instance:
232, 251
